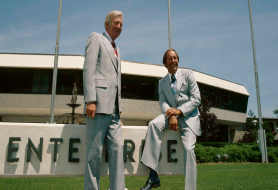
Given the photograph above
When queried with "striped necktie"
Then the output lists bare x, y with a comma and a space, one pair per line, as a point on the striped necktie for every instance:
115, 51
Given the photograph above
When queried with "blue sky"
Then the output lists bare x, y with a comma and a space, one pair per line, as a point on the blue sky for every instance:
212, 37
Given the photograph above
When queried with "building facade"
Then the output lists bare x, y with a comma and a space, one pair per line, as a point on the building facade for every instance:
26, 83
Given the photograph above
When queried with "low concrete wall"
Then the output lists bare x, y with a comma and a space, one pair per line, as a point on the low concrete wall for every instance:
40, 135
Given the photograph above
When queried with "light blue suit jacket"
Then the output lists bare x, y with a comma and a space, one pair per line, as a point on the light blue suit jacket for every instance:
187, 98
101, 74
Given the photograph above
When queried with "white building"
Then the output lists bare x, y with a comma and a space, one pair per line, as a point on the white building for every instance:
26, 80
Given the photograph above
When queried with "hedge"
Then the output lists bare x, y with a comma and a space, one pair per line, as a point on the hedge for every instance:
237, 152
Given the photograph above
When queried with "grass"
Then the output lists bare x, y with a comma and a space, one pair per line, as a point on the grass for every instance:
245, 176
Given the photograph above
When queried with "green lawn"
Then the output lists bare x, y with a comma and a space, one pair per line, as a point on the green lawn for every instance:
244, 176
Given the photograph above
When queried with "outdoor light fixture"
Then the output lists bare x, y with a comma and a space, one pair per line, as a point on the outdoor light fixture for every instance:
218, 157
255, 122
225, 156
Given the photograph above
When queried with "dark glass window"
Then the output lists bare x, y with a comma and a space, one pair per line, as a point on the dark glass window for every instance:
224, 99
16, 80
62, 81
39, 81
45, 81
216, 98
139, 87
245, 103
152, 88
223, 134
142, 87
7, 80
1, 79
35, 81
133, 93
25, 81
125, 86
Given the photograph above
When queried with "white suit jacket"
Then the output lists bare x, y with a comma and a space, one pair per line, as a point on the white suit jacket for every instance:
187, 98
101, 74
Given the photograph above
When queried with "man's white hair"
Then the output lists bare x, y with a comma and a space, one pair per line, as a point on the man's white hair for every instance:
111, 15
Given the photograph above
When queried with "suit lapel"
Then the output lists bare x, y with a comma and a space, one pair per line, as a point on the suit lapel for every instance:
119, 60
167, 87
179, 81
109, 49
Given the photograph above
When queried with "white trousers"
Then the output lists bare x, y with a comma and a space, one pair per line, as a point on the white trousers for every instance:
152, 148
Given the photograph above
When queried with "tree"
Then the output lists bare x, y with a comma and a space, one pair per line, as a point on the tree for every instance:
252, 130
269, 135
210, 126
251, 134
276, 112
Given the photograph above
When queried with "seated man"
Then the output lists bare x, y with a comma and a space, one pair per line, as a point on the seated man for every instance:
179, 98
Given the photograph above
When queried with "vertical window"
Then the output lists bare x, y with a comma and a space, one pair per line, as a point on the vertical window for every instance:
35, 81
25, 81
230, 100
46, 81
245, 103
7, 80
79, 82
216, 99
71, 80
16, 80
235, 101
238, 103
125, 86
142, 87
221, 101
134, 87
62, 81
156, 89
1, 80
150, 88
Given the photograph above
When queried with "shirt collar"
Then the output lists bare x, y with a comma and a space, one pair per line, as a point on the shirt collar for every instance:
108, 37
170, 75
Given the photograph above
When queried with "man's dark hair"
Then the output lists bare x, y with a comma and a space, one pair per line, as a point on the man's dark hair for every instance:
165, 58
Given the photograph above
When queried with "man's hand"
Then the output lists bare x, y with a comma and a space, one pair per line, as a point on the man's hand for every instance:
91, 109
172, 111
173, 123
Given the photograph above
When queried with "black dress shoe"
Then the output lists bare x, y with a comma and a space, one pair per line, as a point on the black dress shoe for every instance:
151, 184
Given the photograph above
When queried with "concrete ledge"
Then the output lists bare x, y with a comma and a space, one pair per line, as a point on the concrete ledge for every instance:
62, 167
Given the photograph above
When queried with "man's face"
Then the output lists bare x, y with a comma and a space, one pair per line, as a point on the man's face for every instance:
114, 29
171, 62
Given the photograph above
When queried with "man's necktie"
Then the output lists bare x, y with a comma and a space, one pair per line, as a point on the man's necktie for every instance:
173, 79
173, 84
114, 46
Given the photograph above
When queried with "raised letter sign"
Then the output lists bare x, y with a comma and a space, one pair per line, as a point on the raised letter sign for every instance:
129, 153
38, 151
12, 149
72, 150
55, 140
170, 151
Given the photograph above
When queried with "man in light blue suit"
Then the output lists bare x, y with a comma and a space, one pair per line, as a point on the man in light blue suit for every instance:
102, 94
179, 98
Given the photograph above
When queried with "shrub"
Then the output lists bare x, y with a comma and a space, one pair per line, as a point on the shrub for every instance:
237, 152
269, 139
272, 154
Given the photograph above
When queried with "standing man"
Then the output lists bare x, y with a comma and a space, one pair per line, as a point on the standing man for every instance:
102, 93
179, 98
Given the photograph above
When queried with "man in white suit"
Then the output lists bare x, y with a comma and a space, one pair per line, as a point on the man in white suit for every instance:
102, 94
179, 98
